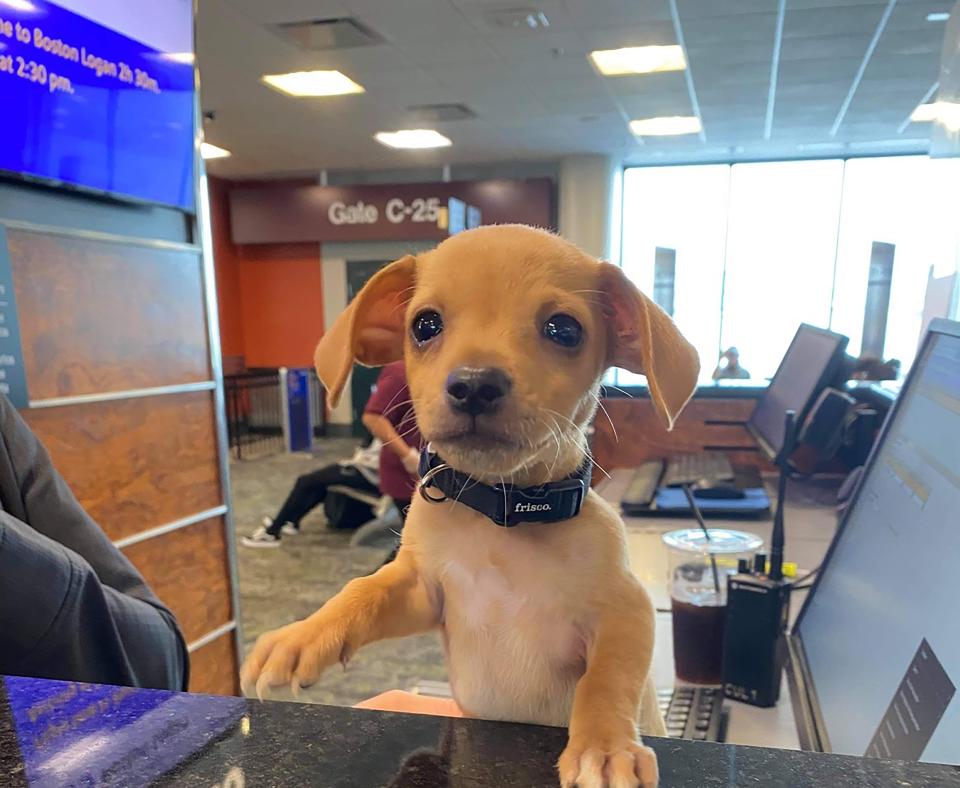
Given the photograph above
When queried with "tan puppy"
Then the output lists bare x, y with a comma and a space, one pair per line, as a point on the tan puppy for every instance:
544, 622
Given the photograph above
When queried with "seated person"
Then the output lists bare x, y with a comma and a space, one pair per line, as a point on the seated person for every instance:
361, 472
72, 606
390, 462
729, 366
872, 368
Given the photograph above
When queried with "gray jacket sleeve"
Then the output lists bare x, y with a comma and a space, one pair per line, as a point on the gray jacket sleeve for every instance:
71, 605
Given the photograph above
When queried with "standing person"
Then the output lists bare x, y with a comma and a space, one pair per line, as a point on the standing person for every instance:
389, 416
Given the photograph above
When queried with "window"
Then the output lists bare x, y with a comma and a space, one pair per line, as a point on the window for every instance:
901, 213
676, 216
745, 253
779, 264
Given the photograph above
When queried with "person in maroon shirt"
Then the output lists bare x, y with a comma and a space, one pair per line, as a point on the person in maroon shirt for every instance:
389, 416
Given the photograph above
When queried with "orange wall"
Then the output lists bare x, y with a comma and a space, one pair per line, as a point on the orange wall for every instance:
227, 269
282, 303
270, 296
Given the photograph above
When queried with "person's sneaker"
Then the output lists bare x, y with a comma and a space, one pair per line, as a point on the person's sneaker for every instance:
260, 538
289, 529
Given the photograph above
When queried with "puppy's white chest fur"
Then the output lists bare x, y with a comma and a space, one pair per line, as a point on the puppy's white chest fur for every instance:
515, 638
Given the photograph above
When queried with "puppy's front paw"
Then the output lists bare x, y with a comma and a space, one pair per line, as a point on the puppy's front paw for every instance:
627, 765
293, 656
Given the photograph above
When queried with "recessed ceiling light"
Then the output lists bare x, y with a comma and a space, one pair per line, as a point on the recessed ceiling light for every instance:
638, 60
939, 16
208, 151
416, 139
925, 113
666, 126
950, 115
946, 113
313, 83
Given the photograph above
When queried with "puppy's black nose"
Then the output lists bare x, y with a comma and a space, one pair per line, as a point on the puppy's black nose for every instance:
475, 391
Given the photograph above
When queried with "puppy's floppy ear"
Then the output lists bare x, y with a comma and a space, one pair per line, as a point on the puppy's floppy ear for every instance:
370, 330
643, 339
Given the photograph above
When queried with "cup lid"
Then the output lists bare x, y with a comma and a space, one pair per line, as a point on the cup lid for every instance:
722, 541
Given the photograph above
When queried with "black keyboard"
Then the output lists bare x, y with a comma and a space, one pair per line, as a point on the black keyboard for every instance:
694, 713
691, 468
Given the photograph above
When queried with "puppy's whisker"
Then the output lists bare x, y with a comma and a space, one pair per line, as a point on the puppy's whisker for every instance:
554, 434
617, 388
612, 427
401, 436
394, 404
503, 486
585, 446
462, 490
570, 421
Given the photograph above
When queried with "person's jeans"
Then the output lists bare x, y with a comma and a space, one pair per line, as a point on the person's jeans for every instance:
310, 490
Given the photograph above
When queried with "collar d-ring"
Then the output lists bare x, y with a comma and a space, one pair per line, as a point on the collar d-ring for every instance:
426, 481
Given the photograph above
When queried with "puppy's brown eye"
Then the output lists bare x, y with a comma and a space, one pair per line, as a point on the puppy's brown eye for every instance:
563, 330
426, 326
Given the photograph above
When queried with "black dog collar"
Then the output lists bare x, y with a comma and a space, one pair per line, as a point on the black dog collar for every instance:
506, 504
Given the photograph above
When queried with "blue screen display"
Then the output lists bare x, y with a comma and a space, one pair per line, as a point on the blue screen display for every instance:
100, 94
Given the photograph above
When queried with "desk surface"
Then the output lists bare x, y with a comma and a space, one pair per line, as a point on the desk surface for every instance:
716, 389
55, 733
810, 521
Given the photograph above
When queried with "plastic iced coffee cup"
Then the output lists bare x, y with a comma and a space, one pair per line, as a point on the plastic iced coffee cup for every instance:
697, 583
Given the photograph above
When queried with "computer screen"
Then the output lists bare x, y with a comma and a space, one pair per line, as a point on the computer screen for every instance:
811, 363
878, 636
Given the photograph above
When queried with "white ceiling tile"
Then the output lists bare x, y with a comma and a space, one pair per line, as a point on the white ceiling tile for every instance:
478, 13
616, 13
535, 93
586, 86
536, 46
710, 57
412, 20
669, 82
656, 106
441, 53
818, 71
651, 34
276, 11
555, 69
823, 46
912, 15
728, 31
846, 20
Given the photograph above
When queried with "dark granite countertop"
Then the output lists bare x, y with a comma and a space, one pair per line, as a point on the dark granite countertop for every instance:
60, 734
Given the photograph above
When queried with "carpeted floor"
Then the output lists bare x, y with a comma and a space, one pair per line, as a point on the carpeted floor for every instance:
280, 585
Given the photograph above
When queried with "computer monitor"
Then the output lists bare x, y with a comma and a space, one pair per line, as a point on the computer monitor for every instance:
812, 362
875, 651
